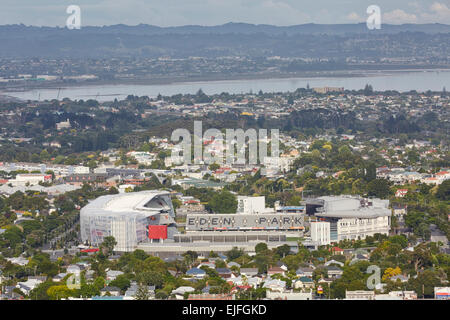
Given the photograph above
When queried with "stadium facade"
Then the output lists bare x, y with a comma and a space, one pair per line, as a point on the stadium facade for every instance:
351, 217
146, 220
131, 218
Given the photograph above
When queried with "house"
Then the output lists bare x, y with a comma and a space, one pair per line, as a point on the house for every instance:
89, 275
341, 264
400, 193
73, 269
196, 273
275, 285
337, 250
233, 264
209, 264
208, 296
438, 236
249, 272
334, 272
133, 288
282, 266
21, 261
112, 274
9, 294
84, 265
397, 295
173, 273
224, 273
275, 270
243, 281
400, 278
360, 256
326, 281
37, 278
110, 291
290, 295
304, 272
399, 210
359, 295
59, 277
304, 283
442, 293
236, 289
180, 291
28, 285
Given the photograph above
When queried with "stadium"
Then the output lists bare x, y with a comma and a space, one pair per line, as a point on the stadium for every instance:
131, 218
146, 220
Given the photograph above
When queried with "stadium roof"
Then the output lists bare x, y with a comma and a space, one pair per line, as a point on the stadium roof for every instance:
138, 203
353, 207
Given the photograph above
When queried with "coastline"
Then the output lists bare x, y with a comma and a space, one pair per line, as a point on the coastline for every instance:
216, 78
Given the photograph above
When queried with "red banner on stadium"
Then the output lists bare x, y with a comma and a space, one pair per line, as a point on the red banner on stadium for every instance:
157, 232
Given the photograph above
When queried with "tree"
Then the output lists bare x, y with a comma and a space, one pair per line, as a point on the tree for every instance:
390, 272
378, 188
214, 166
161, 295
425, 283
443, 191
261, 247
368, 90
40, 292
234, 253
223, 202
108, 245
151, 278
59, 292
283, 250
121, 281
400, 239
99, 283
190, 257
142, 293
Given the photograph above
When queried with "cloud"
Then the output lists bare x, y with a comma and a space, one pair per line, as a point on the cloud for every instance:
439, 12
353, 16
399, 16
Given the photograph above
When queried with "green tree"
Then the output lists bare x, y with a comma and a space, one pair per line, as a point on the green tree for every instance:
223, 202
443, 191
108, 245
261, 247
378, 188
121, 281
142, 293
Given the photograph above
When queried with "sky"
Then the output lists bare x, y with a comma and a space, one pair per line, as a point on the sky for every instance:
215, 12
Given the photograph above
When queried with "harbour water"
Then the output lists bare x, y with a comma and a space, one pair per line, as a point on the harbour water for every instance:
400, 81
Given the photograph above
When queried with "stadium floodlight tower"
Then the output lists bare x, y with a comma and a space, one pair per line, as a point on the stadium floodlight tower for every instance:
131, 218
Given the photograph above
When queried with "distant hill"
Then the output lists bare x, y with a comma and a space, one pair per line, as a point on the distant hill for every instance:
232, 27
229, 39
